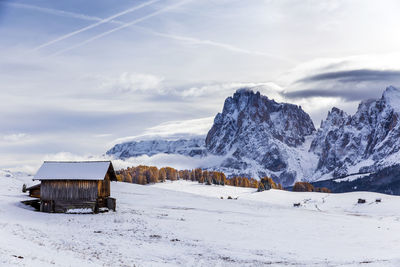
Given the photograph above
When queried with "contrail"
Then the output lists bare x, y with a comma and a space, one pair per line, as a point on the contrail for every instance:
121, 27
181, 38
95, 24
54, 11
224, 46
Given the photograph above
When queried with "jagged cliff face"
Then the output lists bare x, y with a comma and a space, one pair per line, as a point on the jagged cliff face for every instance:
248, 112
346, 143
258, 134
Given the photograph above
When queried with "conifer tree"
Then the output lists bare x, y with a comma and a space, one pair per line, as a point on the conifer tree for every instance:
162, 175
128, 178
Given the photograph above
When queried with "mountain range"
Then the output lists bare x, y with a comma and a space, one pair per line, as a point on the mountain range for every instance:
256, 136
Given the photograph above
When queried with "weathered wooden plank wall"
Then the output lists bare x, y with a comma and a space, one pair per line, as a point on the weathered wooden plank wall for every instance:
35, 192
104, 187
68, 190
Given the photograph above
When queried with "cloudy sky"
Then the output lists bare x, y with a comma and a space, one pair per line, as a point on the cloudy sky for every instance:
78, 76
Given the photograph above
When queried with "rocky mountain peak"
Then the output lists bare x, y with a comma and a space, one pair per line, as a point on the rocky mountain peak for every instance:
248, 110
335, 117
391, 96
337, 111
252, 127
370, 135
390, 92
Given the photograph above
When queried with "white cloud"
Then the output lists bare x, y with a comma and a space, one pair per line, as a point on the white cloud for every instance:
212, 89
179, 162
172, 130
132, 82
68, 156
102, 135
16, 139
383, 61
227, 89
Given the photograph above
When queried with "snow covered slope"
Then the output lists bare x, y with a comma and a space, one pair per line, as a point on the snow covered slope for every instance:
187, 224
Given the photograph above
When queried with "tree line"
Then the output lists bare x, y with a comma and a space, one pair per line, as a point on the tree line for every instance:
150, 174
307, 187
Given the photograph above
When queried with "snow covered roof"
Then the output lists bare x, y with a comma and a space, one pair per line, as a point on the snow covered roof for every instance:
75, 170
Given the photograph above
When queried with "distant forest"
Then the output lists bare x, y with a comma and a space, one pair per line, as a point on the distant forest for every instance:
150, 174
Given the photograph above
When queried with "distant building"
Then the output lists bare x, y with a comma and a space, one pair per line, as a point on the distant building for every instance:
67, 186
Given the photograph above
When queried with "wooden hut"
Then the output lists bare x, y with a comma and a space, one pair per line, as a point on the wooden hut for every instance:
67, 186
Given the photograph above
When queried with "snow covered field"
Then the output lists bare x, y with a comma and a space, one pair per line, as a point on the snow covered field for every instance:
188, 224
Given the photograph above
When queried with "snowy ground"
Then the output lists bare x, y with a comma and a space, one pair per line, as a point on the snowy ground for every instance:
188, 224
